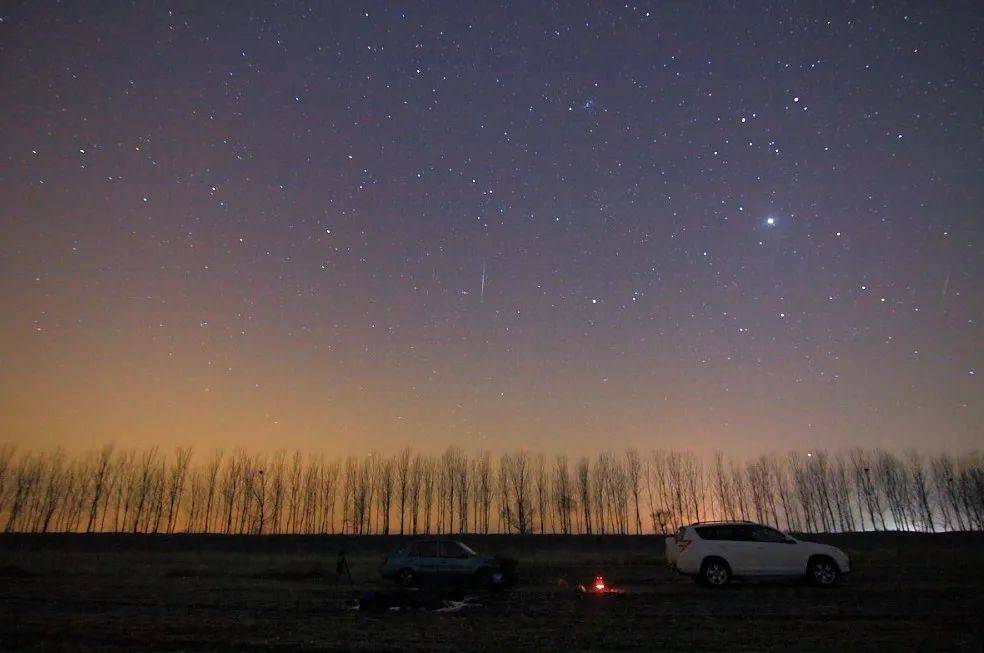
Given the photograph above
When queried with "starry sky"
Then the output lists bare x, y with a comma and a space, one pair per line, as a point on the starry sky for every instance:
352, 226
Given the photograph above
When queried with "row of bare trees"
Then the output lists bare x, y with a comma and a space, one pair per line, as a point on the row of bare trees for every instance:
238, 492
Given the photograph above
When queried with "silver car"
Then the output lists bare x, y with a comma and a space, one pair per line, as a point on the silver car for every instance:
439, 561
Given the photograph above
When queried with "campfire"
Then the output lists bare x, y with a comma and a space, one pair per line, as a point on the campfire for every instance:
600, 587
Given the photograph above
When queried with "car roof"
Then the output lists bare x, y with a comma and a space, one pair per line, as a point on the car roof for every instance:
726, 522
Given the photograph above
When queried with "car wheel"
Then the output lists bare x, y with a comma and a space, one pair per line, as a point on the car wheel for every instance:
406, 577
822, 571
715, 572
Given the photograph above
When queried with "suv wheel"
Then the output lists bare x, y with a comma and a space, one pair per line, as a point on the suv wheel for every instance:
822, 571
406, 577
715, 573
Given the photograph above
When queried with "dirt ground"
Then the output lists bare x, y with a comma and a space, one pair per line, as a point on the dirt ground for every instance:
909, 592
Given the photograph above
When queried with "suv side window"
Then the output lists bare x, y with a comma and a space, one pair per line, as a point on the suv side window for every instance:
424, 550
764, 534
742, 534
709, 532
452, 550
725, 532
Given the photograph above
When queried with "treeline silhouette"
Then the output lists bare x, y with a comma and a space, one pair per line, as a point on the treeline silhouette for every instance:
241, 492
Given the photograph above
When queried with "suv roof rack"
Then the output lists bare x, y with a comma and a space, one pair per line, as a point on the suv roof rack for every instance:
723, 521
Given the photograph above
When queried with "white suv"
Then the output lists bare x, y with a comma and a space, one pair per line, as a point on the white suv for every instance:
714, 552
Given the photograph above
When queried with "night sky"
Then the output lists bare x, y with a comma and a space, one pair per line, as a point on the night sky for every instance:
349, 226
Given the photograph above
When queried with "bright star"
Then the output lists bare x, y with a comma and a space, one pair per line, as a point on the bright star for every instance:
770, 221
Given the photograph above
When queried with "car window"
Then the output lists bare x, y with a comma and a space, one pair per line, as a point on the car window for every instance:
742, 534
764, 534
726, 532
721, 532
709, 532
424, 550
453, 550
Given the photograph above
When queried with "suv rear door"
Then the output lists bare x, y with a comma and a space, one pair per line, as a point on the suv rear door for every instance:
746, 551
733, 542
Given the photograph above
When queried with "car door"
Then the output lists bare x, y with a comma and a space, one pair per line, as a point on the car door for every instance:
775, 554
792, 555
455, 561
733, 543
741, 551
426, 558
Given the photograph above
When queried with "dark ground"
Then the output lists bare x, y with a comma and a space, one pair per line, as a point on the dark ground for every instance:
909, 592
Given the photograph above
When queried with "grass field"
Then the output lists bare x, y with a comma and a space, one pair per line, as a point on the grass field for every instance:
909, 592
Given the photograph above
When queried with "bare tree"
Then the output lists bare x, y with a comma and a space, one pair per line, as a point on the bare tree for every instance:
293, 498
861, 467
463, 484
518, 475
256, 484
617, 491
194, 506
77, 483
947, 497
100, 475
229, 488
144, 485
176, 483
349, 495
563, 493
922, 510
503, 495
893, 483
403, 482
582, 480
211, 476
55, 477
542, 489
447, 481
329, 488
143, 491
666, 510
599, 484
276, 490
633, 471
484, 489
384, 492
7, 452
416, 480
427, 473
310, 495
